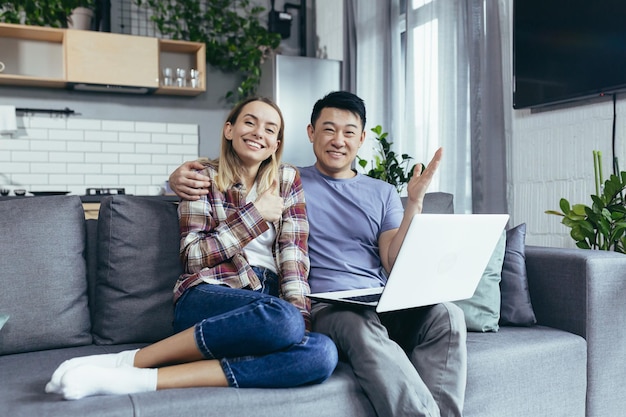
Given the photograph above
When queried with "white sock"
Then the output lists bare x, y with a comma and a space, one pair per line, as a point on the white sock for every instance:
88, 380
108, 360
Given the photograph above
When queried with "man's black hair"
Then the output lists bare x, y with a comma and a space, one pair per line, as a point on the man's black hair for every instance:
342, 100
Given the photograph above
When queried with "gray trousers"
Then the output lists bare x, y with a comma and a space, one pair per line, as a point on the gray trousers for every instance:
409, 362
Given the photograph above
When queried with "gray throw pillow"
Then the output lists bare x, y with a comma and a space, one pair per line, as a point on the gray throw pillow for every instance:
138, 264
43, 277
516, 308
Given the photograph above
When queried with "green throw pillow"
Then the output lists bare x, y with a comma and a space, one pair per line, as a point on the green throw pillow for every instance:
482, 311
3, 319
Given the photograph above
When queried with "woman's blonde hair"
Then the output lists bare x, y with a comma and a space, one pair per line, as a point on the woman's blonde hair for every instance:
229, 165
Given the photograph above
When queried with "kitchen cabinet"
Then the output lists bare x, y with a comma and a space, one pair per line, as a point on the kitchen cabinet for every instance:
68, 58
33, 56
112, 59
185, 55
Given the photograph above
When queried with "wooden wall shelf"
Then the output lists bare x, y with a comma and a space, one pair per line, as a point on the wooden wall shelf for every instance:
61, 58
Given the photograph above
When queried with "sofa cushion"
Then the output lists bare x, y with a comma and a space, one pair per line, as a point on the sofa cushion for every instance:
138, 264
438, 203
529, 371
22, 394
25, 375
482, 310
43, 274
516, 308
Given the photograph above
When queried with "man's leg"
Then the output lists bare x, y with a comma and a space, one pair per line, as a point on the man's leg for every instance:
435, 341
381, 366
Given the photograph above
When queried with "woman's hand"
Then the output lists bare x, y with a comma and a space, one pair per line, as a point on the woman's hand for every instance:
270, 204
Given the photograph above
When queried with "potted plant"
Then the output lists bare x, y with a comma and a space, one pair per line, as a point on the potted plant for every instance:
235, 39
386, 165
52, 13
82, 14
601, 226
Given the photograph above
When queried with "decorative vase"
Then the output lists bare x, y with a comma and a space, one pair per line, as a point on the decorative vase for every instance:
80, 18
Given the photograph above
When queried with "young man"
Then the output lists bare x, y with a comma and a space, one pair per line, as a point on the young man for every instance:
411, 362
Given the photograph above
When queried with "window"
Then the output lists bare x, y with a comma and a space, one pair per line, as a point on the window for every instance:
436, 92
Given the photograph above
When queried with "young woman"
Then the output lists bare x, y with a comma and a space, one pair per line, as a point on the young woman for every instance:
241, 316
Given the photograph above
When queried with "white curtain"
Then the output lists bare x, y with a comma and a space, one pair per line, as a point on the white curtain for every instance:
437, 93
430, 72
487, 106
369, 51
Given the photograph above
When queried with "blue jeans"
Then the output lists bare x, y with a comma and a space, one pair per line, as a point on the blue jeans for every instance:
259, 339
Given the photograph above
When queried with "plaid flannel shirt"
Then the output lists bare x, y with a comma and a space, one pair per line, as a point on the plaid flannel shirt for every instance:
216, 228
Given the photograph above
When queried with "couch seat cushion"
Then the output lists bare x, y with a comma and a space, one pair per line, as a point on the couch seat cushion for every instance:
24, 377
338, 396
508, 368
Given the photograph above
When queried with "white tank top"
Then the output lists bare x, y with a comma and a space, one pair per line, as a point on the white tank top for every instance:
259, 250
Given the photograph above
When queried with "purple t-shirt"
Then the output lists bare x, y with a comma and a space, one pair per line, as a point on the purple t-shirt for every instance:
346, 218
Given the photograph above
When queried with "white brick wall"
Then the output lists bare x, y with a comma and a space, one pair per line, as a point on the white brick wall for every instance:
72, 154
552, 157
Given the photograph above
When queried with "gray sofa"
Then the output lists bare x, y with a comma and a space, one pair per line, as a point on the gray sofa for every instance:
73, 287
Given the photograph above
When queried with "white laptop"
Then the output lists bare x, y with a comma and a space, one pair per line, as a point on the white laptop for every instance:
442, 258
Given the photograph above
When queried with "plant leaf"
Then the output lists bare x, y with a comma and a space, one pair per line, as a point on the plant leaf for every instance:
583, 245
377, 129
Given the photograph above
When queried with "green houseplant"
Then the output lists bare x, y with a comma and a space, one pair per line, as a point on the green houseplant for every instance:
386, 165
601, 226
53, 13
231, 29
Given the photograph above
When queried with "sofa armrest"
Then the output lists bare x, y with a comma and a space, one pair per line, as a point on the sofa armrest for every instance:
580, 291
584, 292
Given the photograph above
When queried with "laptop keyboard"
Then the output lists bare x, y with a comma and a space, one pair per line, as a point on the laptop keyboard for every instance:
368, 298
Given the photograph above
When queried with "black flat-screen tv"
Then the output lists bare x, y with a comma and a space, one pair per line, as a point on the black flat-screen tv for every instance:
566, 50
